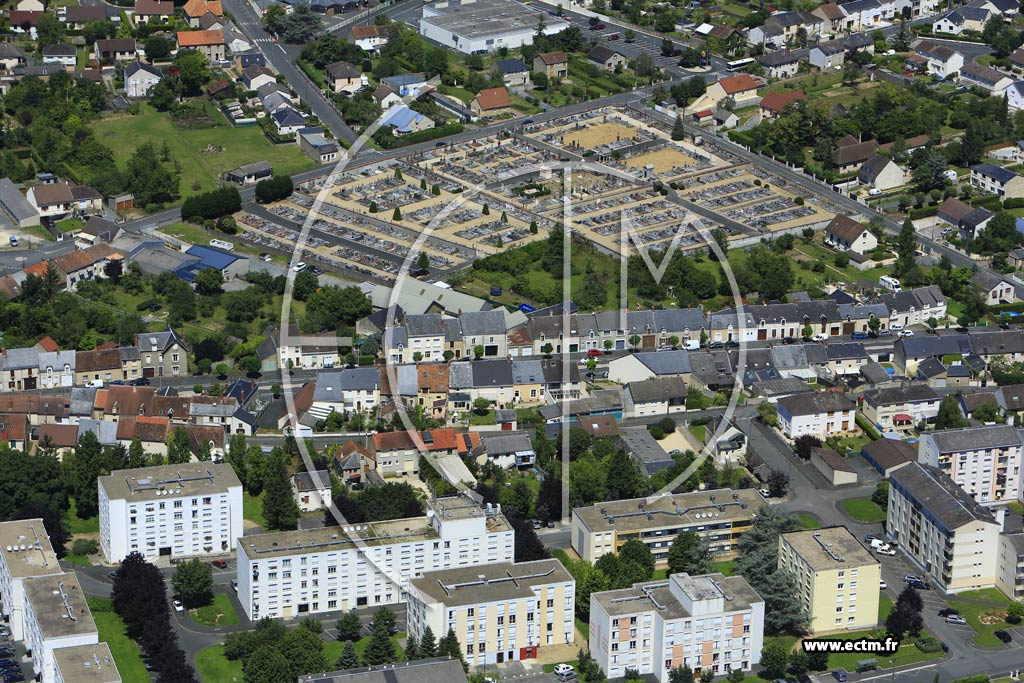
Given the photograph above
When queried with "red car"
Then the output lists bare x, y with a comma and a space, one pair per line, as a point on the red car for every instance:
594, 353
220, 564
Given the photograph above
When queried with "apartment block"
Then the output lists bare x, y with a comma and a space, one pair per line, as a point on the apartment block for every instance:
500, 612
171, 510
720, 517
1010, 565
318, 570
85, 664
837, 577
705, 622
25, 552
56, 617
951, 538
984, 461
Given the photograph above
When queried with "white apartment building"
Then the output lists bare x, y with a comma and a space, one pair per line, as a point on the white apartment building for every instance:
85, 664
1010, 565
25, 552
951, 538
719, 516
705, 622
170, 510
984, 461
56, 616
837, 577
318, 570
500, 612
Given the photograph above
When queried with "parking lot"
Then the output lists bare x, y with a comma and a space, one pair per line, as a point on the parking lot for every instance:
14, 665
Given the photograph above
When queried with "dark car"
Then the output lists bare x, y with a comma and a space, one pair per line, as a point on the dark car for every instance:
731, 344
140, 382
716, 345
869, 538
789, 340
918, 585
948, 612
859, 335
112, 575
527, 121
599, 26
14, 677
1002, 635
839, 675
220, 564
117, 383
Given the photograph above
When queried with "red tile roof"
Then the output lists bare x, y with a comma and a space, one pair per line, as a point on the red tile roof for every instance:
777, 101
740, 83
492, 98
199, 38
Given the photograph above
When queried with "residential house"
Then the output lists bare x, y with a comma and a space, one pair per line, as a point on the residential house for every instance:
139, 77
312, 490
552, 64
513, 72
850, 154
938, 60
781, 64
962, 19
846, 358
102, 364
605, 58
194, 10
785, 28
20, 368
654, 397
725, 441
288, 121
645, 450
881, 173
11, 57
344, 78
255, 76
742, 88
56, 369
484, 329
51, 200
985, 77
209, 43
402, 120
385, 97
407, 84
164, 354
644, 365
85, 264
153, 10
821, 414
846, 233
346, 391
997, 180
24, 21
773, 103
725, 119
832, 18
509, 449
64, 55
989, 345
861, 15
900, 408
827, 56
315, 145
910, 352
249, 174
116, 50
371, 37
490, 101
77, 16
968, 220
995, 288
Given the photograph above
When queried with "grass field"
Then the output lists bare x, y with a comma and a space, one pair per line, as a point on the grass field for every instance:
809, 521
81, 526
698, 431
213, 666
77, 560
220, 612
990, 594
123, 133
973, 614
727, 567
124, 649
885, 606
864, 510
252, 509
907, 654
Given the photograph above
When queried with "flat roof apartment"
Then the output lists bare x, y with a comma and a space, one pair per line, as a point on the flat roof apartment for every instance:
710, 621
319, 570
837, 577
945, 532
85, 664
56, 616
170, 510
984, 461
720, 517
500, 612
25, 552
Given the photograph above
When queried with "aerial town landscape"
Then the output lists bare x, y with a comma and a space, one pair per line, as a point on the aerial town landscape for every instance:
541, 341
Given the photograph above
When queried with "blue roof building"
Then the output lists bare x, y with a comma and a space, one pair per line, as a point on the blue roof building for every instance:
404, 120
229, 265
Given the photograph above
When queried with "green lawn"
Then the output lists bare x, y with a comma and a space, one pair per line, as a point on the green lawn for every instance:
220, 612
864, 510
213, 666
982, 632
123, 133
698, 431
809, 521
70, 224
194, 234
252, 509
81, 526
77, 560
488, 418
659, 575
885, 606
124, 649
907, 654
726, 567
548, 668
990, 594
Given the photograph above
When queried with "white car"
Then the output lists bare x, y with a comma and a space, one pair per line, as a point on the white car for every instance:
561, 669
299, 267
765, 492
820, 337
882, 585
178, 607
886, 550
905, 333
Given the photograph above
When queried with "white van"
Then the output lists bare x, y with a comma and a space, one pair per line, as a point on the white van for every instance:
692, 345
890, 283
94, 384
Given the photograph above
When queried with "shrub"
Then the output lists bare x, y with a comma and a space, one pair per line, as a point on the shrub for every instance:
213, 204
274, 189
84, 546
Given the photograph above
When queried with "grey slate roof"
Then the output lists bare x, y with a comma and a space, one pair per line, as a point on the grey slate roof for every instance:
331, 385
912, 393
919, 347
874, 373
645, 449
939, 495
505, 443
460, 376
665, 362
15, 359
789, 357
814, 403
483, 322
14, 201
425, 325
845, 350
527, 372
655, 390
997, 342
997, 173
976, 438
492, 373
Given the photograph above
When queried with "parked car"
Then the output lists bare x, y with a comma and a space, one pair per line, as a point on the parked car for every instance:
178, 607
94, 384
563, 668
918, 585
905, 333
869, 538
765, 492
1003, 636
885, 333
910, 578
887, 550
715, 345
956, 619
839, 675
859, 335
882, 585
948, 612
220, 564
140, 382
595, 353
14, 241
820, 337
299, 267
234, 585
112, 575
567, 677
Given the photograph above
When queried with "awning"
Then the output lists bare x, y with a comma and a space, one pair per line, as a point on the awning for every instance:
902, 418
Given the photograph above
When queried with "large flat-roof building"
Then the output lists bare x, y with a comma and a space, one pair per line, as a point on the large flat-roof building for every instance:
984, 461
500, 612
446, 670
170, 510
85, 664
951, 537
477, 26
837, 578
25, 552
339, 568
56, 616
705, 622
720, 517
